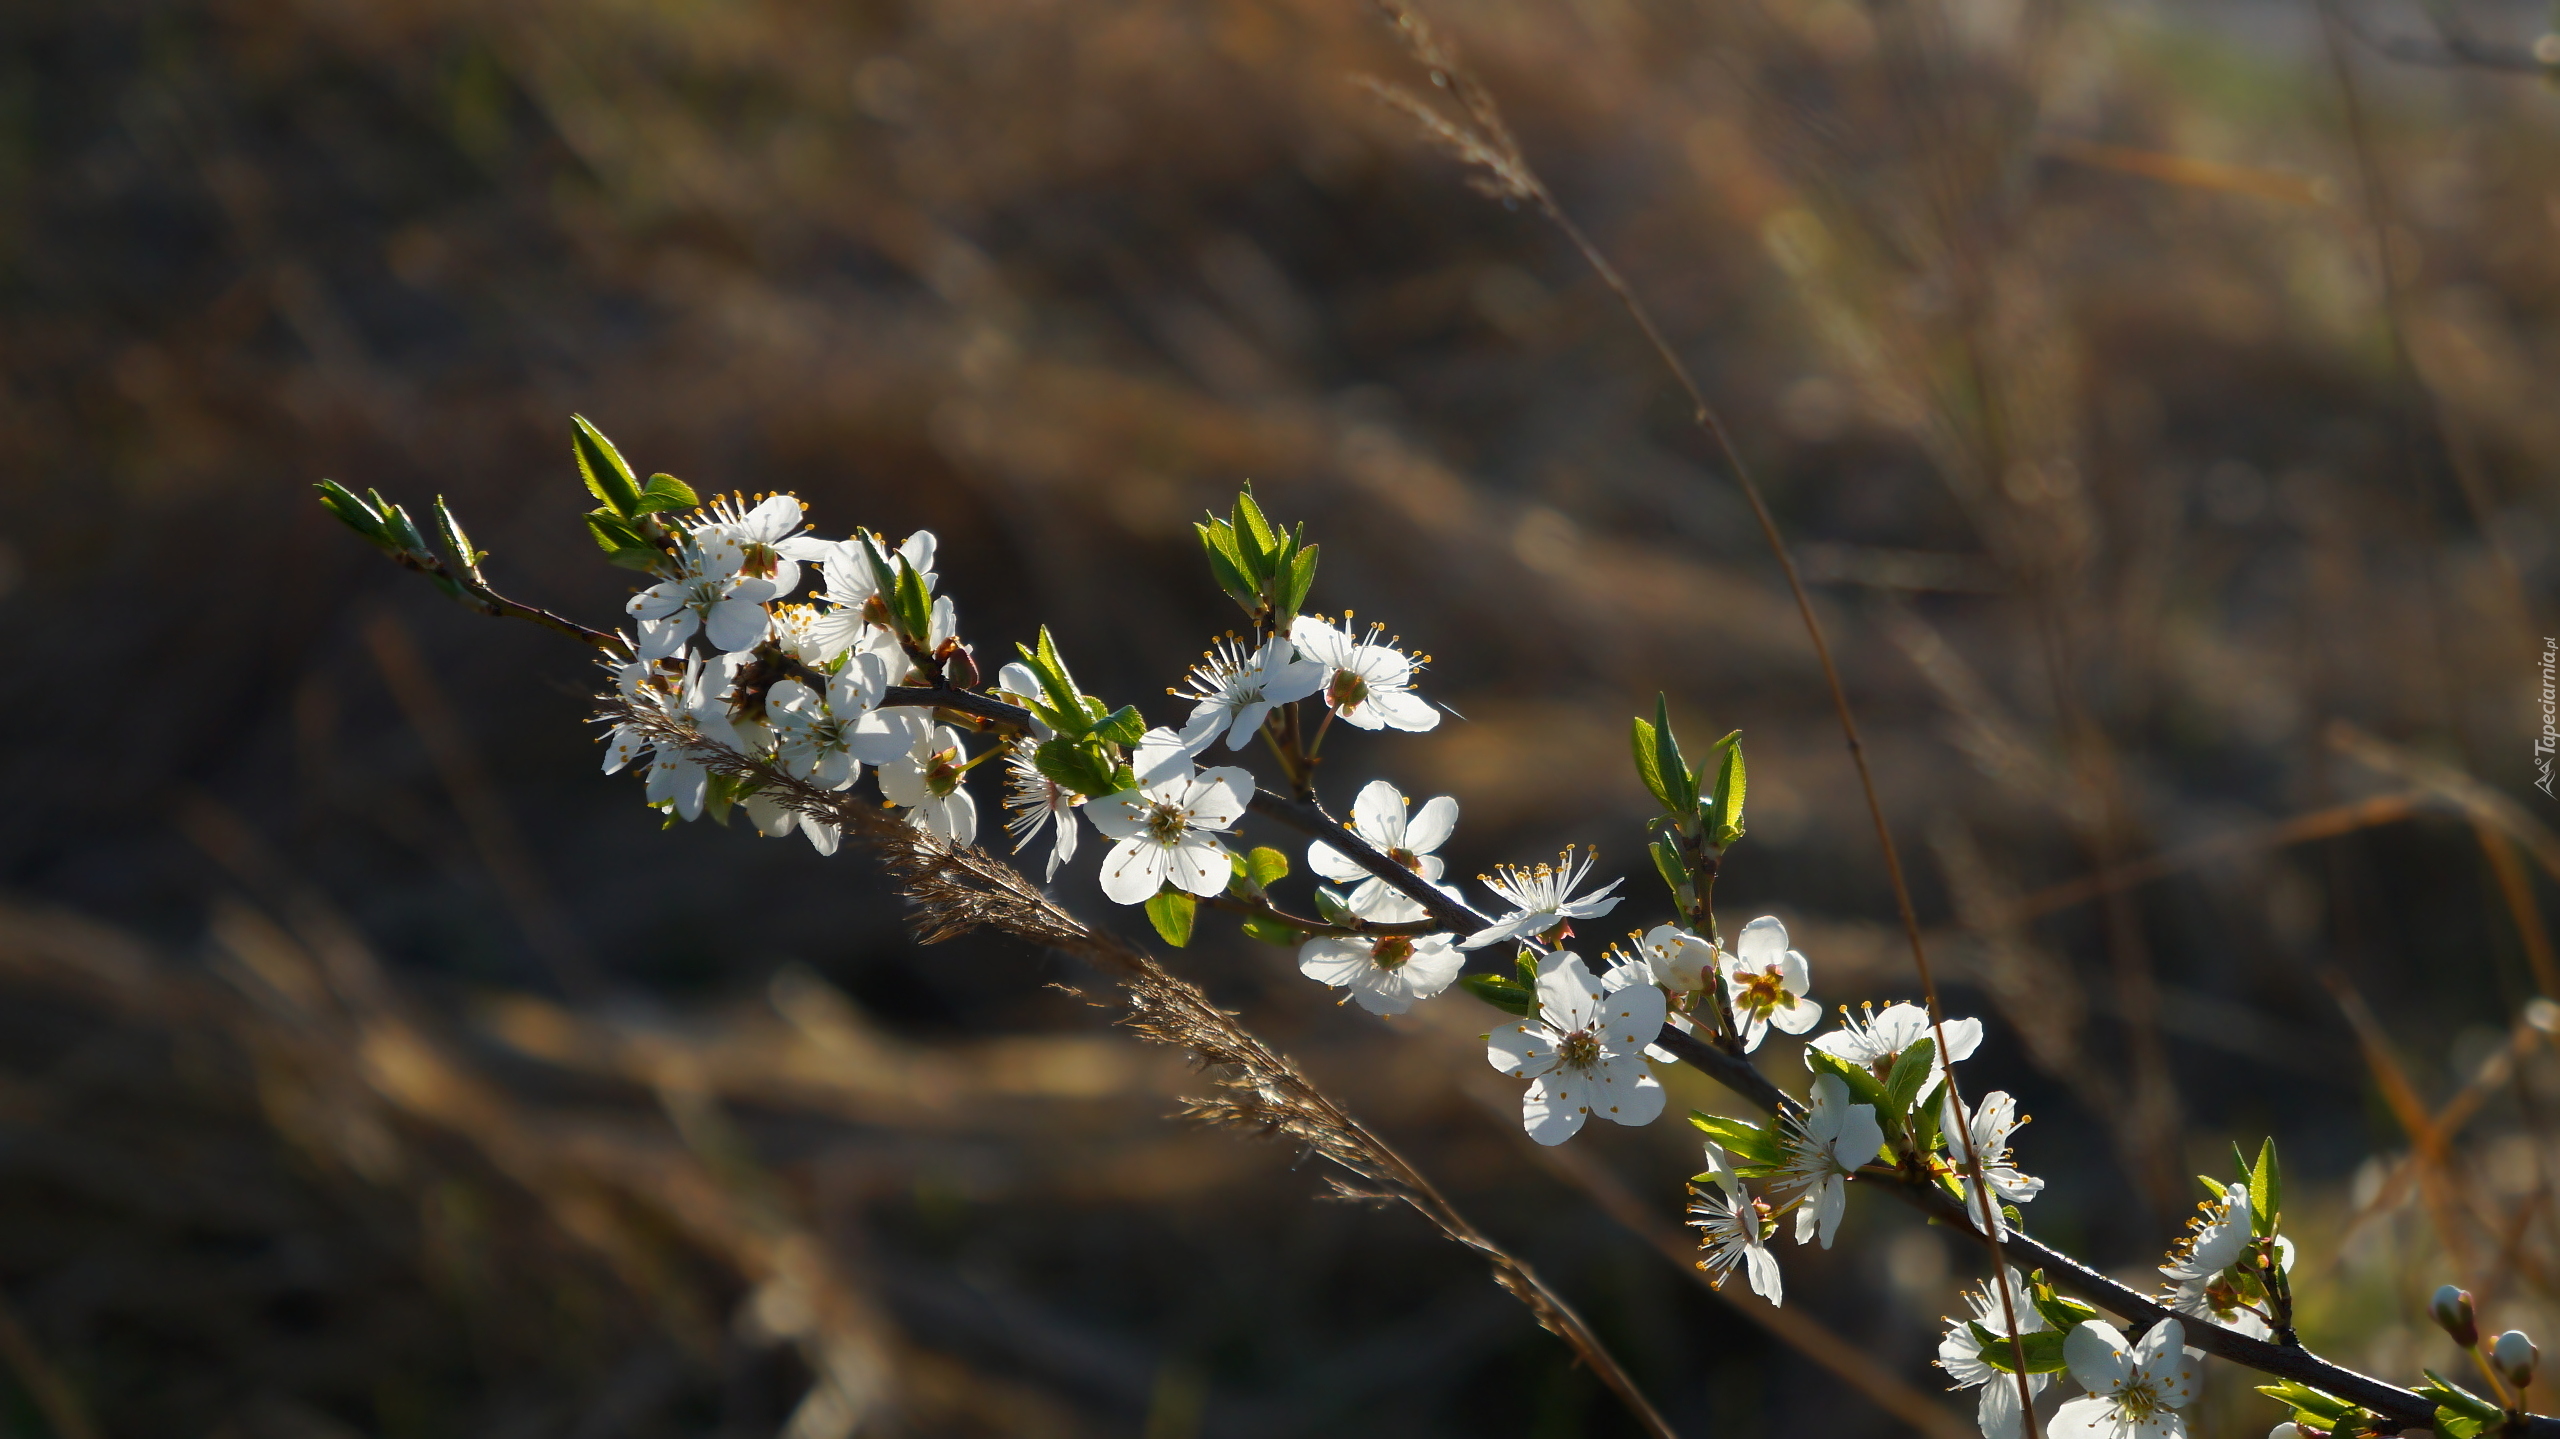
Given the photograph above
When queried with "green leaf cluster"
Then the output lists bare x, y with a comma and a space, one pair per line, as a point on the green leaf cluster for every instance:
1084, 751
1702, 806
2059, 1310
1515, 993
619, 524
388, 528
1265, 569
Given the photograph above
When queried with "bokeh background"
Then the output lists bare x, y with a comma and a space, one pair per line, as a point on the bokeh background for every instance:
2160, 397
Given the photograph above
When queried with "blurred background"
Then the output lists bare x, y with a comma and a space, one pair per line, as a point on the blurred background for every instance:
2159, 395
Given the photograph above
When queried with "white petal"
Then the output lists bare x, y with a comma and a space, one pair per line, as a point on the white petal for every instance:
1200, 865
2099, 1355
1633, 1016
1134, 870
1761, 942
2162, 1358
1765, 1280
1432, 967
1431, 825
1219, 797
1333, 864
735, 624
1401, 709
958, 820
1964, 1036
1796, 1015
2087, 1418
1336, 962
1568, 997
1378, 814
1554, 1108
1160, 758
1521, 1048
1861, 1137
1624, 1090
1119, 816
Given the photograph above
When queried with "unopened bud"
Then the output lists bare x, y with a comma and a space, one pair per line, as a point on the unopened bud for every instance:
2452, 1309
2514, 1356
959, 666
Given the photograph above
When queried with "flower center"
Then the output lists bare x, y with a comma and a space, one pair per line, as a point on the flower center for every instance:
1580, 1049
1392, 952
1407, 858
760, 561
2139, 1399
1347, 690
1166, 823
1762, 993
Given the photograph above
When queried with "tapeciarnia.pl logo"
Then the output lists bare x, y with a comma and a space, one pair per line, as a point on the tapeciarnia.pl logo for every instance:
2549, 740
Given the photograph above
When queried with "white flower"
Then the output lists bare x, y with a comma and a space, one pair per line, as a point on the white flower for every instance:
1960, 1354
1995, 1117
1767, 983
927, 780
1677, 959
1378, 816
826, 737
708, 593
1384, 973
2135, 1390
1236, 690
1367, 683
1017, 683
1876, 1042
1167, 827
848, 582
699, 699
1734, 1231
1825, 1145
2217, 1239
1541, 898
767, 537
1034, 801
1584, 1050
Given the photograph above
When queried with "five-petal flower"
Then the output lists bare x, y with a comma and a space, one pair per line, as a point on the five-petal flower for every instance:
1541, 899
1960, 1354
1825, 1145
1386, 973
1767, 982
1378, 816
2135, 1390
1582, 1051
1368, 682
1167, 827
1734, 1230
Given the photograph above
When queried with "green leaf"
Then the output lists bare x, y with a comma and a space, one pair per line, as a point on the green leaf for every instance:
666, 492
1076, 766
1910, 1071
457, 543
1335, 909
1649, 766
2323, 1408
1862, 1085
2451, 1396
1748, 1143
1254, 539
621, 543
1226, 565
354, 513
601, 466
402, 529
1123, 727
1676, 778
1729, 794
912, 606
2061, 1311
1172, 912
1503, 994
1301, 579
1267, 866
1927, 1119
2452, 1425
1667, 862
2044, 1350
1272, 931
884, 579
2266, 1191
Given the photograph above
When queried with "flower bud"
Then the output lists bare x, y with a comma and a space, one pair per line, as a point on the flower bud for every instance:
2452, 1309
2514, 1356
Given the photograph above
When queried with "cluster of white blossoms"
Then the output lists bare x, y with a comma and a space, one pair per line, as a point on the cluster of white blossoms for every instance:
804, 686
